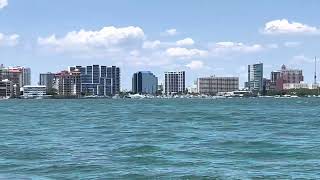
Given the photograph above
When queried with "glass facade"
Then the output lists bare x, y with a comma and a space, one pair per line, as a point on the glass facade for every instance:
144, 82
99, 80
255, 77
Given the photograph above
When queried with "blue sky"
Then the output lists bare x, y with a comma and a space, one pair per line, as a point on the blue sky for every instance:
203, 37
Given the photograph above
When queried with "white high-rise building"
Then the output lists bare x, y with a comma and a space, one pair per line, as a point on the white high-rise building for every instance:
175, 82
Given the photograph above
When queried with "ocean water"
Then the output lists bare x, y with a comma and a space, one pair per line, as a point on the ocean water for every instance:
160, 139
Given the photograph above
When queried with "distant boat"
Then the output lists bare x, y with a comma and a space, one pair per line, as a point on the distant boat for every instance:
136, 96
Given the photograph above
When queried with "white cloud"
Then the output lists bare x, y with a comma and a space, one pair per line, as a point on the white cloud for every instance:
229, 47
106, 38
3, 3
285, 27
151, 44
195, 65
291, 44
171, 32
185, 53
9, 40
185, 42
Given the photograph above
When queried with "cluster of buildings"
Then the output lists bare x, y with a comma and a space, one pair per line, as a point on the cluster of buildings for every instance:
102, 81
79, 81
283, 79
12, 79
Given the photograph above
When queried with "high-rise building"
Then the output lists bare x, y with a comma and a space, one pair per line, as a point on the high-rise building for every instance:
69, 83
144, 82
175, 82
19, 76
26, 76
213, 85
99, 80
113, 73
255, 77
47, 79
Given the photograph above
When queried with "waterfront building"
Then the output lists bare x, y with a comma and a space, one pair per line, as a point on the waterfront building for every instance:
47, 79
275, 75
267, 86
175, 82
99, 80
287, 86
68, 83
276, 82
213, 85
255, 77
285, 76
6, 88
34, 91
19, 76
113, 73
26, 76
193, 89
291, 75
160, 89
144, 82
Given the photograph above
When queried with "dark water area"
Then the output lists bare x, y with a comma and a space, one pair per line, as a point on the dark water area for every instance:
160, 139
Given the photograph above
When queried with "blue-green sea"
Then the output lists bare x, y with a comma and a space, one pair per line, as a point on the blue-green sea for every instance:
160, 139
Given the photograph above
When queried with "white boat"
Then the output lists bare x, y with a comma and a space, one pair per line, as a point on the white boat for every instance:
136, 96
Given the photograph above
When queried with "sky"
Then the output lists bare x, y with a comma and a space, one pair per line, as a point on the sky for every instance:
201, 37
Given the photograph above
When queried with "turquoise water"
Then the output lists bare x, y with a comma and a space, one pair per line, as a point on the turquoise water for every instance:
160, 139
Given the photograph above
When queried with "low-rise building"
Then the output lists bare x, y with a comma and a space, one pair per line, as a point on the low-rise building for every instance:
6, 88
213, 85
287, 86
34, 91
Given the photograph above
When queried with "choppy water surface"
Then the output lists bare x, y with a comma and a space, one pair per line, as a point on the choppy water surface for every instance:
160, 139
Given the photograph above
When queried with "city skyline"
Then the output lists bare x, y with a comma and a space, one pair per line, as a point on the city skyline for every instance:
208, 38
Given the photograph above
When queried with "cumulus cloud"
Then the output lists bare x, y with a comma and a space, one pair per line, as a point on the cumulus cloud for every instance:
151, 44
195, 65
171, 32
229, 47
283, 26
106, 38
3, 3
185, 53
185, 42
9, 40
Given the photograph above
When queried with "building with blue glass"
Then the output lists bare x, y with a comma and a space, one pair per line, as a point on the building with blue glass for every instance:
144, 82
99, 80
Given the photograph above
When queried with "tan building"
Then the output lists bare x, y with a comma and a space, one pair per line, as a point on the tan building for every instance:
69, 83
213, 85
